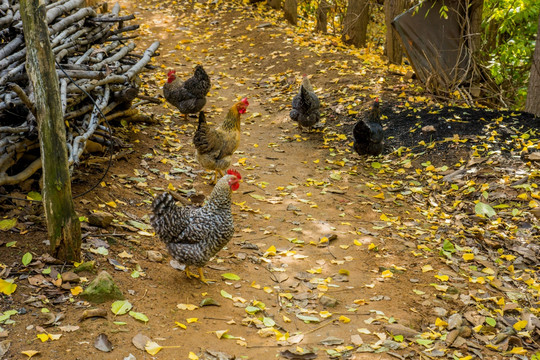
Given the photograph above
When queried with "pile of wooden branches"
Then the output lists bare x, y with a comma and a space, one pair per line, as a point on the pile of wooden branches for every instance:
98, 76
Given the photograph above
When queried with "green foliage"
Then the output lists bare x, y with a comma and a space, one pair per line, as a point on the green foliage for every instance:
510, 28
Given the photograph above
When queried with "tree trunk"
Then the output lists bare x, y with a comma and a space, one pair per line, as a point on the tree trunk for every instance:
290, 8
62, 222
533, 93
322, 17
276, 4
356, 22
394, 51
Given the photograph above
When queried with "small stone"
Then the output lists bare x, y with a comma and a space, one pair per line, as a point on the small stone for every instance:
100, 218
398, 329
70, 276
291, 207
85, 266
357, 340
102, 289
332, 340
429, 128
409, 75
414, 281
102, 343
455, 321
465, 331
154, 256
328, 301
440, 312
139, 341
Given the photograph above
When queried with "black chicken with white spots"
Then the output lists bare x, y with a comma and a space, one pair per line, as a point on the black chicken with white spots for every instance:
194, 234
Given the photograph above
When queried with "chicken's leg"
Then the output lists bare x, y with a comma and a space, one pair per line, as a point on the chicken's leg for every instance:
218, 174
189, 274
203, 279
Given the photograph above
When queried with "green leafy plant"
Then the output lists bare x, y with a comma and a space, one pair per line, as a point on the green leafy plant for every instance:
510, 28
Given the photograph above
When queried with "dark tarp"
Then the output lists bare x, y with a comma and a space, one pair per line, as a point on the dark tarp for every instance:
434, 45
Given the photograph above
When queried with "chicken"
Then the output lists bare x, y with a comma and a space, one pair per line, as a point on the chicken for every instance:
215, 146
368, 133
305, 106
189, 96
194, 234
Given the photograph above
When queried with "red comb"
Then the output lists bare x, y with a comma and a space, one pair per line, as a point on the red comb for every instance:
245, 101
235, 173
171, 72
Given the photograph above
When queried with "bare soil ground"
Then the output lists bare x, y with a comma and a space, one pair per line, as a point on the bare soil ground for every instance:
314, 221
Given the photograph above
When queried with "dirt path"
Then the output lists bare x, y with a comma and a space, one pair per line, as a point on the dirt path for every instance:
324, 247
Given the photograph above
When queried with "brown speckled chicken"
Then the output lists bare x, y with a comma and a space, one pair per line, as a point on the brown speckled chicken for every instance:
193, 234
189, 96
215, 146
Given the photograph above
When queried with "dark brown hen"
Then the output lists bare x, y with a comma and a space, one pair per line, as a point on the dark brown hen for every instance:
189, 96
368, 133
305, 106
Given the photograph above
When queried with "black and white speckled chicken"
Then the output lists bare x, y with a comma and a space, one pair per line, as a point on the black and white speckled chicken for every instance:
194, 234
305, 106
189, 96
368, 133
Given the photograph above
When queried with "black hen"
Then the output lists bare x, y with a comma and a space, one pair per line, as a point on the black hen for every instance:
305, 106
368, 133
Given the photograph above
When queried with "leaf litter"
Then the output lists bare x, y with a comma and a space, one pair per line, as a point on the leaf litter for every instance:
449, 212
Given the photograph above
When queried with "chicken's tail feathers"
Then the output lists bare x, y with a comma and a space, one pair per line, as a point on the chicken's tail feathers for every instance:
202, 119
375, 112
200, 138
360, 131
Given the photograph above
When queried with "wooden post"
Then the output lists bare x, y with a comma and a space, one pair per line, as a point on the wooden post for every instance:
63, 225
394, 50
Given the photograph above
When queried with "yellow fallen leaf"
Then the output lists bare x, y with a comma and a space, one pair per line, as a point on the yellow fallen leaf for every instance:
187, 306
468, 256
379, 196
427, 268
76, 290
518, 350
30, 353
520, 325
271, 251
344, 319
180, 325
325, 314
54, 336
387, 274
442, 277
192, 320
7, 287
111, 204
192, 356
220, 333
440, 323
43, 337
152, 347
